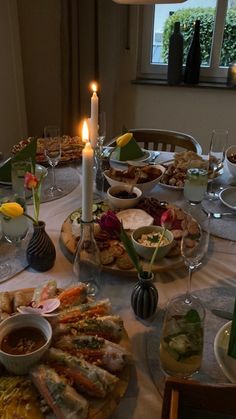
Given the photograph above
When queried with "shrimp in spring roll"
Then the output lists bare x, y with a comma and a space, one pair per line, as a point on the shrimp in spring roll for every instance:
63, 399
107, 327
94, 309
96, 350
73, 296
87, 378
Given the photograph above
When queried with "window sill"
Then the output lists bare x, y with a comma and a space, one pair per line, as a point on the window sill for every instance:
201, 85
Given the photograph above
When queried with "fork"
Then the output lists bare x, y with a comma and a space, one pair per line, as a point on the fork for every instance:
218, 215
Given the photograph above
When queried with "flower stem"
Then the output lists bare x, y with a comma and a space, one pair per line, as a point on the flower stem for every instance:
30, 218
155, 251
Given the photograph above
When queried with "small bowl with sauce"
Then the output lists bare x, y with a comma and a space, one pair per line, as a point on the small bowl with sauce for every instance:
24, 338
230, 159
123, 196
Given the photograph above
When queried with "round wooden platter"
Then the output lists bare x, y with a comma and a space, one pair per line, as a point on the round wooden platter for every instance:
98, 408
68, 245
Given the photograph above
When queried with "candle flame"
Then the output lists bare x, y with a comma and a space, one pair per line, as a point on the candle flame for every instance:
85, 132
94, 87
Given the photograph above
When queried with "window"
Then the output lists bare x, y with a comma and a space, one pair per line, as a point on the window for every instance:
217, 32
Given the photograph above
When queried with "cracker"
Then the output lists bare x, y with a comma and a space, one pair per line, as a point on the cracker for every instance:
124, 262
106, 257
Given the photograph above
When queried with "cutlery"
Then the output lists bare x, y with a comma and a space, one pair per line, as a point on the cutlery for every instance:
218, 215
154, 155
223, 314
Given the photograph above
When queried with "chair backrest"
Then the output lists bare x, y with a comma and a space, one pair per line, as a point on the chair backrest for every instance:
192, 399
164, 140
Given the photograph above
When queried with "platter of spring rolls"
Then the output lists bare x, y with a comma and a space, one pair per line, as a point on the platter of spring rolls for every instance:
86, 370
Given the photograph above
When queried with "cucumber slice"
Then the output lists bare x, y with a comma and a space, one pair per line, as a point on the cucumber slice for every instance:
74, 215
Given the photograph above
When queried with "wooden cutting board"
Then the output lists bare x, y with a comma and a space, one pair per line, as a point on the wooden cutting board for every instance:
98, 408
69, 243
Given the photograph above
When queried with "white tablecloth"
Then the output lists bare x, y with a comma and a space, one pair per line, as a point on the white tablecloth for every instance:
142, 397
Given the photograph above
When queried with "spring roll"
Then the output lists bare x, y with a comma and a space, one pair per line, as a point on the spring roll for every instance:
87, 378
5, 302
73, 296
94, 309
63, 399
98, 351
107, 327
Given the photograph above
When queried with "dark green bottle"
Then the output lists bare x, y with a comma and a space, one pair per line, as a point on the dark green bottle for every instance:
175, 56
193, 62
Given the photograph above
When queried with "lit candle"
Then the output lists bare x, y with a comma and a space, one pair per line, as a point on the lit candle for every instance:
94, 116
87, 176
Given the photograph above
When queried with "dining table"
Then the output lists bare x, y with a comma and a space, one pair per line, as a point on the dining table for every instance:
217, 271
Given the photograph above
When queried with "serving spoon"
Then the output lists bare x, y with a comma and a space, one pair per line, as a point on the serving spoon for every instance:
218, 215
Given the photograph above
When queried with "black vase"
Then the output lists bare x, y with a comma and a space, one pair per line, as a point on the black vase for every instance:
41, 252
175, 56
144, 297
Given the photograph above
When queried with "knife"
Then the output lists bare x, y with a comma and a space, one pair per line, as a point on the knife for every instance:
223, 314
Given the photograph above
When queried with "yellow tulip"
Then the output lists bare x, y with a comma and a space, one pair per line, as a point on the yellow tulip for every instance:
11, 209
124, 139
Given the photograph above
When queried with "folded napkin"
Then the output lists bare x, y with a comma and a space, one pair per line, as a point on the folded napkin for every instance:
28, 152
232, 338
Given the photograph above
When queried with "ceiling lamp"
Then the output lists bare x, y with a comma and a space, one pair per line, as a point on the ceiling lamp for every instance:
147, 1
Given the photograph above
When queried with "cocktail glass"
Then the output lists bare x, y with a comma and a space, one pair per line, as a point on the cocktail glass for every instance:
195, 185
181, 345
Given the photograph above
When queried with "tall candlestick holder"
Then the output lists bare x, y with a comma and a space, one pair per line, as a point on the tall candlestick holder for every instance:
87, 266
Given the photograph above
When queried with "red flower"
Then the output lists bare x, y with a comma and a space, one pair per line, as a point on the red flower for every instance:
110, 223
31, 181
168, 218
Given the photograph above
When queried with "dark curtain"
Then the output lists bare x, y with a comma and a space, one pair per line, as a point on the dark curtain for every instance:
79, 59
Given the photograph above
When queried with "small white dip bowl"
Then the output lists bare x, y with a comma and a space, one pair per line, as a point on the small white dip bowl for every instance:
20, 364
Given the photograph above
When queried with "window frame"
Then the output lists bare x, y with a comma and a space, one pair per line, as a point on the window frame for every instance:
148, 70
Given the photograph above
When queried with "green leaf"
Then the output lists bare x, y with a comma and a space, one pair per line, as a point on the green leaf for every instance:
130, 249
192, 316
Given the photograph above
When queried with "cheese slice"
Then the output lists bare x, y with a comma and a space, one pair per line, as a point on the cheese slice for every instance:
134, 218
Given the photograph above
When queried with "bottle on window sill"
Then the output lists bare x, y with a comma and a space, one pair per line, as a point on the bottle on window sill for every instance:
193, 62
175, 56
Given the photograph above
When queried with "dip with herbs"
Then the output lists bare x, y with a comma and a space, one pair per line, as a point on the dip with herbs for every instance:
153, 239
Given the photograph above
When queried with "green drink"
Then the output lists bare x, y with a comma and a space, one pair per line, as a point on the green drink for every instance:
181, 344
195, 185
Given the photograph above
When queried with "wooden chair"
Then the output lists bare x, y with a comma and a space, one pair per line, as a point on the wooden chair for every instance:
188, 399
164, 140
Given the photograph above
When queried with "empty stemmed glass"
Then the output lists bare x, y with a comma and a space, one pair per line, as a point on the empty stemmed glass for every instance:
218, 145
52, 151
5, 267
194, 246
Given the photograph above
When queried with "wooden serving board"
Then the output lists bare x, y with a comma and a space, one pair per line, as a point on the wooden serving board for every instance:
69, 243
98, 408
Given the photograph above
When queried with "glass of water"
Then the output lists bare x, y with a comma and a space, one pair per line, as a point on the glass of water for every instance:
14, 229
195, 185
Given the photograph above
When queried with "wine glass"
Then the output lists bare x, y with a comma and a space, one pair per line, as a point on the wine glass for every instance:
99, 152
194, 246
218, 145
52, 151
5, 267
101, 130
